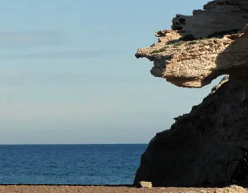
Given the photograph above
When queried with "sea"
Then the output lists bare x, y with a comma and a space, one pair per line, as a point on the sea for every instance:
98, 164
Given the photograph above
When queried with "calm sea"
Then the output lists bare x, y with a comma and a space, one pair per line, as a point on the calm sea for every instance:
69, 164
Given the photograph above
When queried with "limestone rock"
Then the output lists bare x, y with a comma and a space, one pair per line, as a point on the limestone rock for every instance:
199, 48
144, 184
217, 16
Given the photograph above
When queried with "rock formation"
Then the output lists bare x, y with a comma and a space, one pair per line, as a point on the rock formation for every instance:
199, 48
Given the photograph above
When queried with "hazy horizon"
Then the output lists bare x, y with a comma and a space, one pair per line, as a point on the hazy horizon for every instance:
7, 144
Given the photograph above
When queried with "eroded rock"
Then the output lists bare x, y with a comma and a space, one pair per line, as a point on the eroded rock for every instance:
208, 44
199, 48
217, 16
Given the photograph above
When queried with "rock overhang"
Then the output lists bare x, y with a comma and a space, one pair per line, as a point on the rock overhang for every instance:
192, 57
199, 145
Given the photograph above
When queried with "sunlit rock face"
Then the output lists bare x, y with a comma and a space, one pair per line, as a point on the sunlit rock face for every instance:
199, 48
203, 46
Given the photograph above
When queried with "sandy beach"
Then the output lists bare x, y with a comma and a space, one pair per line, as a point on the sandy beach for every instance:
112, 189
90, 189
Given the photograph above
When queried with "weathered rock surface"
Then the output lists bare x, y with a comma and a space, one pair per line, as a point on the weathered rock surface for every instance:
203, 46
200, 144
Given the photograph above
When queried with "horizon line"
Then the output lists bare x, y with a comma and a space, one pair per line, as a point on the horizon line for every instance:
73, 144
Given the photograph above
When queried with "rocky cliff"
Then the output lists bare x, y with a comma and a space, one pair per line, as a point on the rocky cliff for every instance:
199, 48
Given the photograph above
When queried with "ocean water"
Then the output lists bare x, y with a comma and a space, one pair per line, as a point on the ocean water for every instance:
69, 164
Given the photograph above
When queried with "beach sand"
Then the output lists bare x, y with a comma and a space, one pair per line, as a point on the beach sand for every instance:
108, 189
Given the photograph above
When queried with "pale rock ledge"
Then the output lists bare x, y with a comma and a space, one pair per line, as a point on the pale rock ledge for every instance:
203, 46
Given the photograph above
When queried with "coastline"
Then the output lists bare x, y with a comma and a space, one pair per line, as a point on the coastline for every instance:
113, 189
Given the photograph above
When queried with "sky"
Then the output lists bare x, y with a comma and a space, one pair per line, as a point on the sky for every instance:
68, 74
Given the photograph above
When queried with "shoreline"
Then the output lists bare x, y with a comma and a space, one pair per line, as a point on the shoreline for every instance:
35, 188
95, 189
121, 185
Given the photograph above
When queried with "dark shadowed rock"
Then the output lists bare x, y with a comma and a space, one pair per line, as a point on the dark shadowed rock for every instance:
200, 144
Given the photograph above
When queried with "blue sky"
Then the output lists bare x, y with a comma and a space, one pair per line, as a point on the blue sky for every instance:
68, 72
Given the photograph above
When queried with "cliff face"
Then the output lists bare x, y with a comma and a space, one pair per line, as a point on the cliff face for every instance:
199, 145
